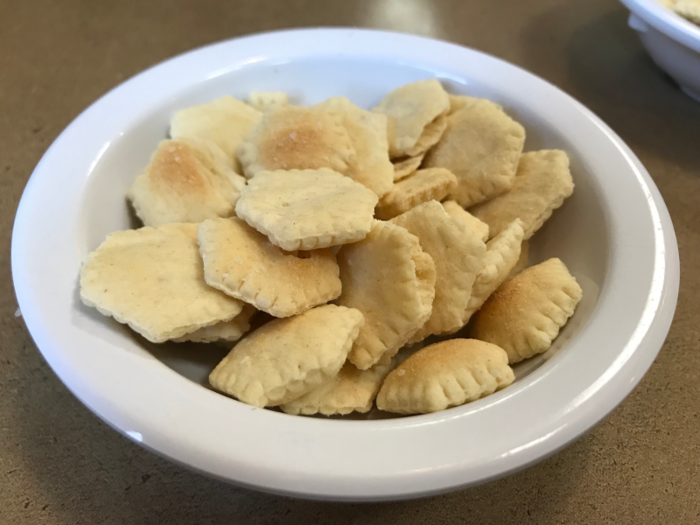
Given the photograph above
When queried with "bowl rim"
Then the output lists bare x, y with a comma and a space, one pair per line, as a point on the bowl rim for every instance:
267, 465
666, 21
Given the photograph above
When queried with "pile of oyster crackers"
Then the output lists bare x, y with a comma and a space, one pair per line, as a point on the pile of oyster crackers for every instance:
347, 237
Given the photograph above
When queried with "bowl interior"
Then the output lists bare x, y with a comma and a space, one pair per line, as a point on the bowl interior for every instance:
577, 233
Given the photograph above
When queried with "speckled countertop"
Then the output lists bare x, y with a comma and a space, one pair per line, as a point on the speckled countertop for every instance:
60, 465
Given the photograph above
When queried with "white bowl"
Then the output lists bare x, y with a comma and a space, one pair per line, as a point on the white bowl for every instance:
672, 42
615, 235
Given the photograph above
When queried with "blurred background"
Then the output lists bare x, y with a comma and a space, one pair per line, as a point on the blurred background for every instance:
60, 464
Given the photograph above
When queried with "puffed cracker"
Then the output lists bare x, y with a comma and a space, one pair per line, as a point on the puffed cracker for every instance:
352, 390
523, 260
286, 358
444, 375
525, 314
297, 138
502, 254
307, 209
423, 186
265, 101
457, 253
481, 146
187, 180
244, 264
152, 280
410, 109
389, 278
407, 166
541, 185
368, 135
224, 121
225, 331
455, 210
689, 9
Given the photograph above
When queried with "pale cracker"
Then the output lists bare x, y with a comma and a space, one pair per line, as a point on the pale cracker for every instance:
152, 280
307, 209
297, 138
407, 166
389, 278
523, 260
432, 133
444, 375
187, 180
286, 358
481, 146
525, 314
541, 185
458, 102
502, 254
368, 135
225, 122
688, 9
410, 109
244, 264
265, 101
455, 210
422, 186
352, 390
223, 332
457, 253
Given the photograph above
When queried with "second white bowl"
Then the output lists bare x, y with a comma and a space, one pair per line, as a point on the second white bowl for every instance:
672, 42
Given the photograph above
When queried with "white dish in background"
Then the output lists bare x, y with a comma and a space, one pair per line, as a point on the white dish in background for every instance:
614, 234
672, 42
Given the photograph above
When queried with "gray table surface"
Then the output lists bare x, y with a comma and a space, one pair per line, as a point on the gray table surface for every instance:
60, 464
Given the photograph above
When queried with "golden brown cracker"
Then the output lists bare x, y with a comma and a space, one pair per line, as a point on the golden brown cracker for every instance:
297, 138
187, 180
525, 314
444, 375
